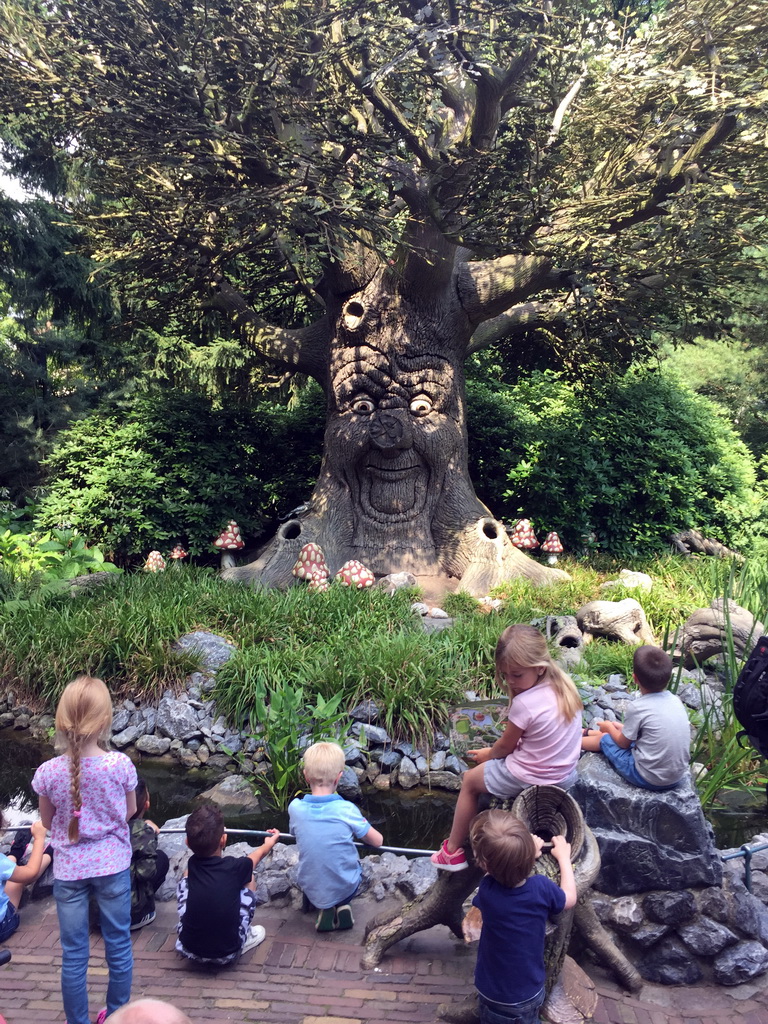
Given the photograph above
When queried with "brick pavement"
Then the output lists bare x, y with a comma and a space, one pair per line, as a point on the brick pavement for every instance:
299, 977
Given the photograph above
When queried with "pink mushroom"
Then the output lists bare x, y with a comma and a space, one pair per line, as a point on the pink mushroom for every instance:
155, 562
311, 565
178, 553
355, 574
523, 536
553, 548
229, 540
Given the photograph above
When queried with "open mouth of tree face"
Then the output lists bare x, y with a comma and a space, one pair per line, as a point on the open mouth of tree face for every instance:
394, 489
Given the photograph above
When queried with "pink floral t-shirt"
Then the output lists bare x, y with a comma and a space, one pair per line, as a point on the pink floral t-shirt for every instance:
104, 847
549, 748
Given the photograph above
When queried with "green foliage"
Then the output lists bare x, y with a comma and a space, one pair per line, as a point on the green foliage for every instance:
631, 460
288, 721
175, 468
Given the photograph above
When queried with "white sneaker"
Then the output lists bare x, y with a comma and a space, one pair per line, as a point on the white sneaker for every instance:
256, 936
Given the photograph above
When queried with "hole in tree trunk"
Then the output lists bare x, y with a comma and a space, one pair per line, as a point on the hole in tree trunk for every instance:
490, 529
290, 530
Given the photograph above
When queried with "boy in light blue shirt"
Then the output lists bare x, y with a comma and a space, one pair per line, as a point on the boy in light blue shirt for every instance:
326, 826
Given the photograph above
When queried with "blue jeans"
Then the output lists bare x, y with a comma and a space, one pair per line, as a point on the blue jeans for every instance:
526, 1012
623, 760
112, 893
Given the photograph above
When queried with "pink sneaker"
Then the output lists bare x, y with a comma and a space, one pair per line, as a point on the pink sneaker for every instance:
449, 861
102, 1016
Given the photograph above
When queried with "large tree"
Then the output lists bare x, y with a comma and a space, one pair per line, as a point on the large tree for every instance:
433, 176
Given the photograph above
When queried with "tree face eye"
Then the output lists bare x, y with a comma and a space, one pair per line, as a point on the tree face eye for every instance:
421, 406
363, 406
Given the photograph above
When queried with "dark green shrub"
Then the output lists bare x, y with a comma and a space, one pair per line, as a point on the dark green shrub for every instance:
630, 460
173, 467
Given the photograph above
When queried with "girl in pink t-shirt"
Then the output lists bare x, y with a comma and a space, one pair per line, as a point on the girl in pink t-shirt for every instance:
86, 798
540, 745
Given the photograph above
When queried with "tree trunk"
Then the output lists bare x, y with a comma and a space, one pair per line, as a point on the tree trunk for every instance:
394, 489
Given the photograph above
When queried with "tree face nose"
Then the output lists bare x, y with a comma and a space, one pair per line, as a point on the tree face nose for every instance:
390, 430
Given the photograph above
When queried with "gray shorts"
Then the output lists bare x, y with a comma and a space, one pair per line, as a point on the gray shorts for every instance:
500, 782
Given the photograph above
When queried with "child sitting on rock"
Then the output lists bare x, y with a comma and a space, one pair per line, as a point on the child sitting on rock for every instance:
514, 905
325, 826
652, 748
216, 896
149, 865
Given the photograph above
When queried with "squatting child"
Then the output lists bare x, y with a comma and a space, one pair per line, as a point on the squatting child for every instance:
149, 864
325, 826
652, 748
216, 897
515, 905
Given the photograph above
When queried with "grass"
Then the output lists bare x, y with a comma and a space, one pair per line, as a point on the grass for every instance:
359, 644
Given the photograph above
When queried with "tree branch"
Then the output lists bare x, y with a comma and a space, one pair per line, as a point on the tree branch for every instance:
515, 320
304, 350
489, 287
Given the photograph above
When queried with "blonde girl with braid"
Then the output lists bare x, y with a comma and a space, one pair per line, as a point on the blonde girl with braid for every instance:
540, 745
86, 797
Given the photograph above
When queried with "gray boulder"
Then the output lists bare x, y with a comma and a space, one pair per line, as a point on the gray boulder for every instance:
153, 745
214, 651
648, 840
740, 963
234, 795
176, 719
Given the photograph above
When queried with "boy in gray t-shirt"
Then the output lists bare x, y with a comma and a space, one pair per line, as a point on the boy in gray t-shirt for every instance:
652, 748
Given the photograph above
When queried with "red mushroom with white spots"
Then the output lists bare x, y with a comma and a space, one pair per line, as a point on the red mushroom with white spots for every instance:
311, 565
355, 574
155, 562
178, 553
552, 547
229, 540
523, 536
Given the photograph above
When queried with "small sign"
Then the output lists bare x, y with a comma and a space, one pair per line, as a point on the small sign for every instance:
477, 725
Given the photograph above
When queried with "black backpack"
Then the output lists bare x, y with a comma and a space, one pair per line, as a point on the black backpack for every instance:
750, 697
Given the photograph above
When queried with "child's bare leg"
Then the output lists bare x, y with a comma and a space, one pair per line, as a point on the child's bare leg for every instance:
472, 785
592, 742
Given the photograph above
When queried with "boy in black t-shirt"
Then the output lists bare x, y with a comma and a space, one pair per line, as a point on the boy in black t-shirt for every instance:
216, 896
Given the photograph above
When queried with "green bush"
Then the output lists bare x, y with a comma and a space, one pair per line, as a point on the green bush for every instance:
630, 460
174, 468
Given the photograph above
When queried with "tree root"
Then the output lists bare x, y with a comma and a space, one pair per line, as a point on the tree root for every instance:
601, 943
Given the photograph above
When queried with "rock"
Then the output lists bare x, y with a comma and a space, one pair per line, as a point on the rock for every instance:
672, 908
155, 745
408, 774
669, 963
353, 755
437, 761
148, 720
648, 840
422, 875
349, 785
647, 935
631, 580
741, 962
455, 764
444, 780
120, 720
433, 624
21, 722
619, 620
389, 759
705, 937
367, 712
438, 613
395, 581
714, 903
125, 737
234, 795
419, 608
626, 913
382, 781
176, 719
372, 733
214, 650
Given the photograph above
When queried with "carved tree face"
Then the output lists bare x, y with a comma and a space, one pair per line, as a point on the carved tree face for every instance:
395, 430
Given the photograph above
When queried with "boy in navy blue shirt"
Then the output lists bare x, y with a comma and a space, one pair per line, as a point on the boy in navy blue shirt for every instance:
515, 906
326, 826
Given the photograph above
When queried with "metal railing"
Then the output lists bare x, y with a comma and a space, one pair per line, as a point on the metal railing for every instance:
746, 851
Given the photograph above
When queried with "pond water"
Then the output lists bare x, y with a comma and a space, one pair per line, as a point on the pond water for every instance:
416, 818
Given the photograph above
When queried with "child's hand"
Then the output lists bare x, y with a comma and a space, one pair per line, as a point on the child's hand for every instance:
538, 842
602, 725
38, 830
272, 837
478, 756
561, 849
472, 925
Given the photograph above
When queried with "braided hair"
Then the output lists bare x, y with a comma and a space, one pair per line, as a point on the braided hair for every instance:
84, 712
